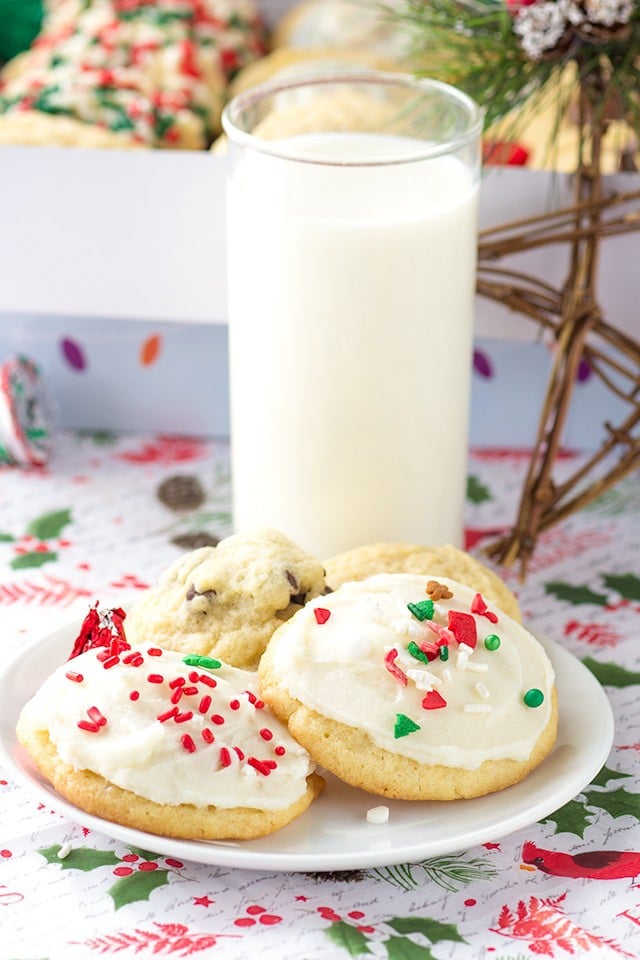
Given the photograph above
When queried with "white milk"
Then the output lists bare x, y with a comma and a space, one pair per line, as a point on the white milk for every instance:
350, 309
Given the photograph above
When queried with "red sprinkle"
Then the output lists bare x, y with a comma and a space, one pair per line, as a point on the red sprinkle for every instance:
479, 606
208, 681
134, 695
207, 735
259, 704
167, 715
176, 696
194, 676
204, 704
321, 614
89, 727
266, 734
225, 757
187, 743
183, 717
134, 660
190, 691
234, 704
463, 627
154, 652
177, 682
239, 752
393, 668
216, 718
94, 714
76, 677
433, 701
260, 766
110, 662
280, 751
251, 696
155, 678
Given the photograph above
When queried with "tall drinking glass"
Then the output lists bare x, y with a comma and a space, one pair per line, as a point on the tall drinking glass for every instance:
351, 274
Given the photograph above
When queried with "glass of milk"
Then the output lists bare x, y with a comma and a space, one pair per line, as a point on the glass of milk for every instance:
351, 277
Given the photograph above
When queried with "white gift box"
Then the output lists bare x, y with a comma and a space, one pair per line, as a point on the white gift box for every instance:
103, 250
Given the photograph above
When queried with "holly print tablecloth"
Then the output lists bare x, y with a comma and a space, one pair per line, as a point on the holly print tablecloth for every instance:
99, 524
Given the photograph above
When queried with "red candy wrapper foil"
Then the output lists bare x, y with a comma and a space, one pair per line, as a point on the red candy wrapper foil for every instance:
24, 418
101, 628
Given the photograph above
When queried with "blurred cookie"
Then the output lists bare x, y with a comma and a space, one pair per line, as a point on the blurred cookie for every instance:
173, 745
410, 697
445, 561
226, 601
341, 23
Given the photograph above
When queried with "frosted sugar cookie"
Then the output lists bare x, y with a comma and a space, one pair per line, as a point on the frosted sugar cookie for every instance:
180, 746
412, 697
226, 601
444, 561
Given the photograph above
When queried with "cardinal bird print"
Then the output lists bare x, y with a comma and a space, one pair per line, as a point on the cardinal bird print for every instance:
593, 864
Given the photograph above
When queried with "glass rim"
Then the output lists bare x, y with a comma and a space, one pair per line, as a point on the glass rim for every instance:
274, 148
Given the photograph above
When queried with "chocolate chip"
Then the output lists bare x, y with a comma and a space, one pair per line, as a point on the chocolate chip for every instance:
292, 580
192, 592
181, 493
193, 541
299, 598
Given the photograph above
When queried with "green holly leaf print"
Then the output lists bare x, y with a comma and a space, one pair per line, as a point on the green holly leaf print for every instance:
6, 538
617, 803
431, 929
627, 585
346, 936
610, 674
401, 948
36, 559
80, 858
601, 779
572, 818
477, 492
137, 886
49, 525
574, 594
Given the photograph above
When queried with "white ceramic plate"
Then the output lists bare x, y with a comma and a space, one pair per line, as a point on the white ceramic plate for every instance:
334, 833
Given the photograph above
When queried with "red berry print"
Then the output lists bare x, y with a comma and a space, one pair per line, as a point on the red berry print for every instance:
148, 865
123, 871
254, 911
470, 902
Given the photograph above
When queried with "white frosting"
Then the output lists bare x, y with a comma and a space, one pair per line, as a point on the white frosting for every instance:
137, 751
337, 668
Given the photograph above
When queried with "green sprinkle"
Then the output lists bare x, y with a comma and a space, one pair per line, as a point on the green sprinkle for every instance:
444, 652
207, 663
534, 697
492, 641
422, 610
416, 652
404, 726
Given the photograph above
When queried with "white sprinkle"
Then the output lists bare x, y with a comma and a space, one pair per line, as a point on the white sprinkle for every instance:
408, 628
477, 667
378, 815
462, 659
465, 648
478, 708
423, 679
482, 691
64, 851
446, 674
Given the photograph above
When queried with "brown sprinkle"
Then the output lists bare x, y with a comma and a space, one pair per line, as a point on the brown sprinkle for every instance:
438, 591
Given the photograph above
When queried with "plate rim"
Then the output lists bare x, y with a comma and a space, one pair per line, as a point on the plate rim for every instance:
241, 853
